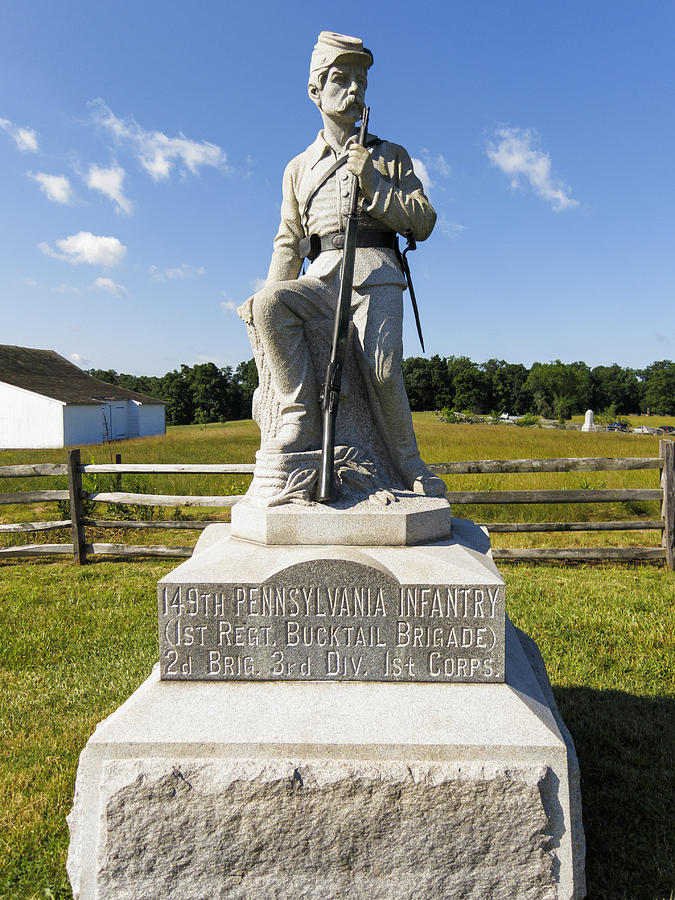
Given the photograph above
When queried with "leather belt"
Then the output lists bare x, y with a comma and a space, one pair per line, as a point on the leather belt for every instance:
310, 247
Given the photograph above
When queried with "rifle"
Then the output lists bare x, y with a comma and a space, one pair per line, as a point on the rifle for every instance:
330, 396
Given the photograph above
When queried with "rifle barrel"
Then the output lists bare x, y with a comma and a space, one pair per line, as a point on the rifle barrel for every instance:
331, 390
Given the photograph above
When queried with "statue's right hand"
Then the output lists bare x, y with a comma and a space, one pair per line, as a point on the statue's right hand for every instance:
360, 163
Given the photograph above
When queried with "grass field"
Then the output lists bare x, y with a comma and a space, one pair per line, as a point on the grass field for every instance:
75, 642
439, 442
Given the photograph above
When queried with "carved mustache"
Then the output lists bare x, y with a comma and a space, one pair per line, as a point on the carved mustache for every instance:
349, 102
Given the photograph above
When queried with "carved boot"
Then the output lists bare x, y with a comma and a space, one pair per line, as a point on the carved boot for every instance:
429, 485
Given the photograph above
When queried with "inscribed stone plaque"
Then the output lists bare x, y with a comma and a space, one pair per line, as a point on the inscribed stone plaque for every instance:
332, 620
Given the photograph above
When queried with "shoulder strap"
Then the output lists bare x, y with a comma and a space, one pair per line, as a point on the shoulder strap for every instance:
323, 178
319, 183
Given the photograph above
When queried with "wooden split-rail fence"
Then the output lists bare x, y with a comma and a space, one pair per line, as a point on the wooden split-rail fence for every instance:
79, 522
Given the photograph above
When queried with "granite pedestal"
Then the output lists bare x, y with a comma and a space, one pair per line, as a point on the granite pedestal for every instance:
246, 781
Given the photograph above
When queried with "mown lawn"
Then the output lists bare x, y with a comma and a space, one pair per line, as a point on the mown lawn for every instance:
75, 642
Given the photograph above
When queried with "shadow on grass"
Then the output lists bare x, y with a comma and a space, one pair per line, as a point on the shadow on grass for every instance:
626, 748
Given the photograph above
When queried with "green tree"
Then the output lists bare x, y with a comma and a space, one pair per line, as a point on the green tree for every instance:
176, 393
210, 388
246, 379
418, 383
617, 387
659, 388
471, 385
110, 376
507, 392
143, 384
441, 384
566, 386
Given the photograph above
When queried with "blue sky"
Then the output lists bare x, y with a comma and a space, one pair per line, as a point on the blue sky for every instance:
142, 147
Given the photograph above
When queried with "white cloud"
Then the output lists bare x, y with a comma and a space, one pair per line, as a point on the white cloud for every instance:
30, 282
450, 229
110, 182
54, 187
158, 153
423, 174
518, 155
107, 284
79, 360
429, 167
437, 163
258, 284
85, 247
24, 137
182, 271
227, 305
66, 289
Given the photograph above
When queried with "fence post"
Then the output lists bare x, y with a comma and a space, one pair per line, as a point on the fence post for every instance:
667, 453
75, 491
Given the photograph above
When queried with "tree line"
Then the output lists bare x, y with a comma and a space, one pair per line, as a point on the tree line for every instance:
553, 389
207, 393
195, 395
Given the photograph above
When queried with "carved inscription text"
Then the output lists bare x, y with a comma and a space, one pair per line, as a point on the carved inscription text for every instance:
342, 628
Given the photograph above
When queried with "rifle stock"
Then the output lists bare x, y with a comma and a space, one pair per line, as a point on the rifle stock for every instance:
330, 396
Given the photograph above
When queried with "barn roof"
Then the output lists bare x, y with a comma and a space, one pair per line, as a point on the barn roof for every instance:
45, 372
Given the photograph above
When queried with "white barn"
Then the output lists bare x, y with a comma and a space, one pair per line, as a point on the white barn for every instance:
47, 402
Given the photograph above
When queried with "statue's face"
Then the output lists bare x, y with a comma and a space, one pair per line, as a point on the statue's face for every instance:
343, 95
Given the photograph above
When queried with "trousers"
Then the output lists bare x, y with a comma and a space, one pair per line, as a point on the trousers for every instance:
279, 313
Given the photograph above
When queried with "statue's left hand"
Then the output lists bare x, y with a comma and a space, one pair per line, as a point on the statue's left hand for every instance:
245, 311
360, 164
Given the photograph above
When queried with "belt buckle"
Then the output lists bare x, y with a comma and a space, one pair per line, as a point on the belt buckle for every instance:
338, 241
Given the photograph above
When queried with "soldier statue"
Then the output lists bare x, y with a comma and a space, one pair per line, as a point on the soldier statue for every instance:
316, 190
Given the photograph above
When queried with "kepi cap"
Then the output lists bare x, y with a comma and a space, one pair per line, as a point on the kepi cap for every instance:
331, 47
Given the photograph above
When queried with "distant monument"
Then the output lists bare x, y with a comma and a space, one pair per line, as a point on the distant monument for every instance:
589, 424
342, 707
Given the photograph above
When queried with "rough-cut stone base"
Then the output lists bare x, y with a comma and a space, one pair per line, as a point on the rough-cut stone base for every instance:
332, 790
410, 519
387, 830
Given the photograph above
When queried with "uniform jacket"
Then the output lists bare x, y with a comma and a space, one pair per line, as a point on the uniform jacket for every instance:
399, 204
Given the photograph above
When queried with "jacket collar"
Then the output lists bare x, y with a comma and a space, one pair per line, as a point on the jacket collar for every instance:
319, 148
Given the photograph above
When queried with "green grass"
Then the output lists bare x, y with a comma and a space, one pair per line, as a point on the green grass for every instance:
231, 442
439, 442
75, 642
607, 635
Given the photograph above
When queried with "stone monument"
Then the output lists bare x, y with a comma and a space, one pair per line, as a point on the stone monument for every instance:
341, 707
589, 424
